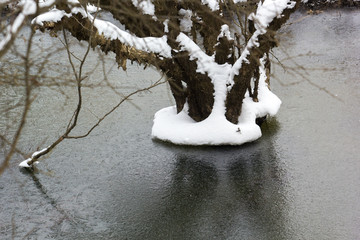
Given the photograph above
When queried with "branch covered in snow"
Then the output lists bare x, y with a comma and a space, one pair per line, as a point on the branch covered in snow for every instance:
22, 11
266, 14
106, 35
35, 155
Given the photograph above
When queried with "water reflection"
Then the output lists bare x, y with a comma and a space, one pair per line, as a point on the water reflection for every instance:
219, 193
258, 183
192, 181
192, 184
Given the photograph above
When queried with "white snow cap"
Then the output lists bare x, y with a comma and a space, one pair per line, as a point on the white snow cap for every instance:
267, 11
25, 163
225, 32
92, 8
146, 6
212, 4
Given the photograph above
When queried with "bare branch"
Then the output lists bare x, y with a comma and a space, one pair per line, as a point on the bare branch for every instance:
157, 83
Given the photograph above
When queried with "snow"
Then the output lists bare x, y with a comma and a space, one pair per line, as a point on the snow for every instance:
212, 4
166, 26
146, 6
147, 44
265, 14
112, 32
267, 11
225, 32
28, 7
25, 163
92, 8
203, 60
54, 15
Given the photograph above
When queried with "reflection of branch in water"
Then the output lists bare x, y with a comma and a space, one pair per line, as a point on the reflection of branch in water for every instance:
45, 200
193, 184
303, 72
7, 142
222, 193
258, 183
32, 173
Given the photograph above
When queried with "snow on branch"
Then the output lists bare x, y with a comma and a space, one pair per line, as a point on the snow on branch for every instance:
27, 8
212, 4
265, 14
146, 44
225, 32
203, 60
156, 45
25, 163
268, 11
145, 6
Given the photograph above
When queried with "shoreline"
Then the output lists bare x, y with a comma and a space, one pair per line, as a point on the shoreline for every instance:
329, 4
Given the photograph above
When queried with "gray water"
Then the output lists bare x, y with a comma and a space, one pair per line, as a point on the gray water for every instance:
301, 180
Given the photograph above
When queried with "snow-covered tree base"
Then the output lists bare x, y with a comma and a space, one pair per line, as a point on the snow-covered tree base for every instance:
216, 129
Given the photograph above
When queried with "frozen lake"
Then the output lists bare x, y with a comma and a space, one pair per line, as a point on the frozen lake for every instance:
299, 181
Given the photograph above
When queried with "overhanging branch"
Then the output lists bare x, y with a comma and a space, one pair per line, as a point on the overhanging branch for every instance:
108, 37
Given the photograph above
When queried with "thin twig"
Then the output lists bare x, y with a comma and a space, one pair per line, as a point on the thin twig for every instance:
115, 107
